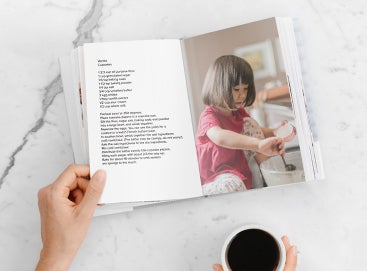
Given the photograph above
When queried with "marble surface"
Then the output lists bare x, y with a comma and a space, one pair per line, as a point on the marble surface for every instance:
326, 219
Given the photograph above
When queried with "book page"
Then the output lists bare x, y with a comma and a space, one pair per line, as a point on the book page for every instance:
252, 54
139, 124
73, 106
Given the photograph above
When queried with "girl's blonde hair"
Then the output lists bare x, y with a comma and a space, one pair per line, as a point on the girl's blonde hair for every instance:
223, 75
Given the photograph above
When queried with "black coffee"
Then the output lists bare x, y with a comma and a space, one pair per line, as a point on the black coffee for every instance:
253, 250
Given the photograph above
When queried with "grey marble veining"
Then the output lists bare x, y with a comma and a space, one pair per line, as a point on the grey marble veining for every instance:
86, 26
327, 220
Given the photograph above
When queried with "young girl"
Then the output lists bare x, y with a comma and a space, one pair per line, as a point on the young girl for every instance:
226, 130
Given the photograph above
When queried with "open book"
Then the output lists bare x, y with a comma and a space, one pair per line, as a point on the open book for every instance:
134, 110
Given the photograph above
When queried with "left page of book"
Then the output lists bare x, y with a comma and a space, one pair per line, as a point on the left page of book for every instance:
73, 101
139, 124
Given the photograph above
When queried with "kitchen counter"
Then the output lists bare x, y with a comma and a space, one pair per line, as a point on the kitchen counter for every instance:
327, 220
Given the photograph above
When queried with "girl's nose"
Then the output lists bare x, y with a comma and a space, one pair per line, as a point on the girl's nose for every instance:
242, 93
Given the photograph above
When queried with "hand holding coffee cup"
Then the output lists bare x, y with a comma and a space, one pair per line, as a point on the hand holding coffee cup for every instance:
254, 247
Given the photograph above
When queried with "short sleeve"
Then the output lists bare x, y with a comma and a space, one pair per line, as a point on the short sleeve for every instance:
208, 119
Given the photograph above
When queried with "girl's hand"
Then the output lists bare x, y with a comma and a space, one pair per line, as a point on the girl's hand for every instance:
271, 146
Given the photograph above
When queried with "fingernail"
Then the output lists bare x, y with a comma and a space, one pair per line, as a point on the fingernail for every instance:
216, 267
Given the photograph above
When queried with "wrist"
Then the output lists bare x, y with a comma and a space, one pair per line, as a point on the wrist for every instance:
255, 144
53, 261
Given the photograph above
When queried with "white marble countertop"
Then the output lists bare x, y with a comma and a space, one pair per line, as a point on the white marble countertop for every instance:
326, 219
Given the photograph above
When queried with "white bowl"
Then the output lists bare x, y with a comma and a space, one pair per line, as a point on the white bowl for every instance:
274, 172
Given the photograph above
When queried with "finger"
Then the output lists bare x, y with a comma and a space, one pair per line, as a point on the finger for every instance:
281, 148
286, 243
76, 196
79, 183
217, 267
68, 176
93, 193
291, 255
291, 259
83, 184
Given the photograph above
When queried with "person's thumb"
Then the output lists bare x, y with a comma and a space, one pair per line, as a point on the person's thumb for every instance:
291, 259
93, 193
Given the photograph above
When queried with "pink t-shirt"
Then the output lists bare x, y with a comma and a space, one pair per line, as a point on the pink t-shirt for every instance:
215, 160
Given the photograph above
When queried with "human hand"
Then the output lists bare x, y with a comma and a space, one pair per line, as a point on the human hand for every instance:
271, 146
66, 209
291, 257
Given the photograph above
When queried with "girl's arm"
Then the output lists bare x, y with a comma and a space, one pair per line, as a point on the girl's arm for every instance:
231, 140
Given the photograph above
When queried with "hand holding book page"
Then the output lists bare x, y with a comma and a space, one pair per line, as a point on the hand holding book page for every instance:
139, 118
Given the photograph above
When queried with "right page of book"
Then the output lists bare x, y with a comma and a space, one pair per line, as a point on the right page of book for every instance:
139, 124
219, 64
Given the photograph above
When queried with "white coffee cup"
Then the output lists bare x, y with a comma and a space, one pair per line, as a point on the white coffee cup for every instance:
253, 244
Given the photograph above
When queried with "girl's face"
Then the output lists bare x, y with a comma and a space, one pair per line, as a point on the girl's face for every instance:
239, 94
